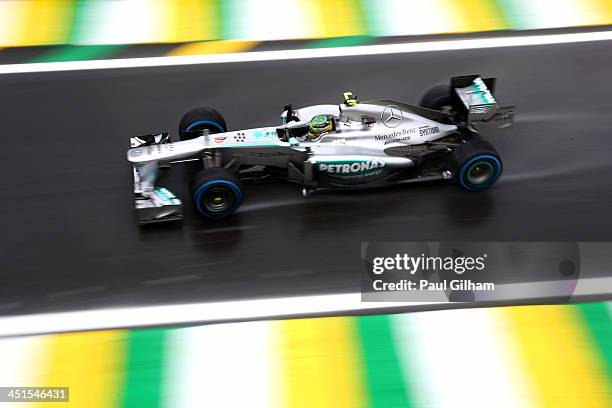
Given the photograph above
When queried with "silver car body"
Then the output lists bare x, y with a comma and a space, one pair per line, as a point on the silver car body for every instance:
357, 148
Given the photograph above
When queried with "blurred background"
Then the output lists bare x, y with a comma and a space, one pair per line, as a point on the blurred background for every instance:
104, 28
70, 244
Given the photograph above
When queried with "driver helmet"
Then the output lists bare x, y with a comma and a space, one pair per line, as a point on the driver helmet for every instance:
318, 125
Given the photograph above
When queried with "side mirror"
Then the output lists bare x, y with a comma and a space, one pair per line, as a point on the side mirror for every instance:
293, 142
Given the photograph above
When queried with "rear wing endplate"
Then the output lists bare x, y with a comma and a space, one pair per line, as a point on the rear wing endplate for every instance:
474, 100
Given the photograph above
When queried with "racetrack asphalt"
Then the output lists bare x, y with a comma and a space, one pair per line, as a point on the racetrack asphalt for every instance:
69, 239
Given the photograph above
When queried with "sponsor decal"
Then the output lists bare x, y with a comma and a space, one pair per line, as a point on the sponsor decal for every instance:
391, 116
219, 139
352, 168
361, 176
400, 140
259, 134
240, 137
404, 133
271, 154
429, 130
135, 152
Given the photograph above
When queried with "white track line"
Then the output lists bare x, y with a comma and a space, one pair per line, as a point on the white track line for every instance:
186, 313
300, 306
440, 45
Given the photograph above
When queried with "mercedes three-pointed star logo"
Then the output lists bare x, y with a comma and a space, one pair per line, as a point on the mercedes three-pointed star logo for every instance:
391, 116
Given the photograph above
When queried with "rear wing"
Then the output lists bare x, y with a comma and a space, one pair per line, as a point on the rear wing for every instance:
473, 98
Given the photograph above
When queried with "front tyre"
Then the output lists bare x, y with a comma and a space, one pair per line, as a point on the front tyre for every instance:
217, 193
477, 165
198, 119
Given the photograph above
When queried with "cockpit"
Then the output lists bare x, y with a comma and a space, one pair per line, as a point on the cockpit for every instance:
321, 125
314, 122
309, 130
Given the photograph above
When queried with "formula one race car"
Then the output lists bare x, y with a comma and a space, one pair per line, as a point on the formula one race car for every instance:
347, 146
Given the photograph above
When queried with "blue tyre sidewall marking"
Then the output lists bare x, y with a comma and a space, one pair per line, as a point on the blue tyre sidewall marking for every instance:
205, 122
204, 187
498, 171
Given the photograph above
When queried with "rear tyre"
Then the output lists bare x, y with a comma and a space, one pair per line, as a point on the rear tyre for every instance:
199, 119
217, 193
477, 165
438, 98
